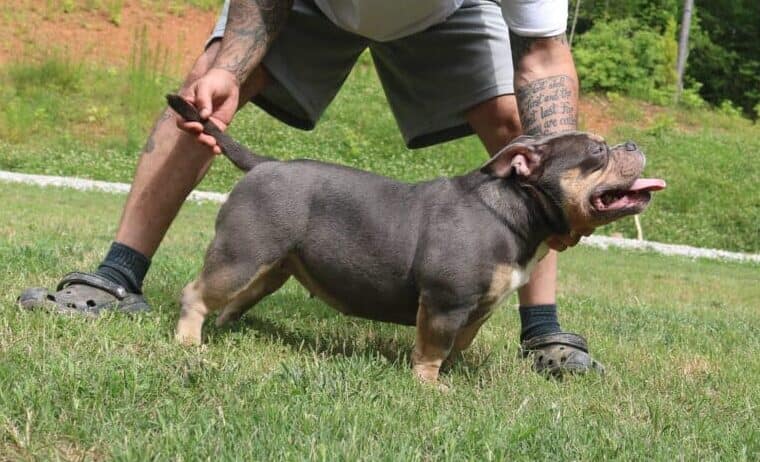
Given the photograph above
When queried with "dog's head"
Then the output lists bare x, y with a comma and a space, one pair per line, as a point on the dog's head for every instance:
592, 183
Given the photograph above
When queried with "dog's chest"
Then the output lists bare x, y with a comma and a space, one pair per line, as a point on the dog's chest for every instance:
506, 278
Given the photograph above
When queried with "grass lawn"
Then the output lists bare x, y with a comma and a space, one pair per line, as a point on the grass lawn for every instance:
295, 380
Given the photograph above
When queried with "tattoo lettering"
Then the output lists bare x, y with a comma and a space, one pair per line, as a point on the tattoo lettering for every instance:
251, 27
522, 45
548, 105
150, 145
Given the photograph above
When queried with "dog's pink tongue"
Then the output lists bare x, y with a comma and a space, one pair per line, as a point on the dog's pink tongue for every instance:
647, 184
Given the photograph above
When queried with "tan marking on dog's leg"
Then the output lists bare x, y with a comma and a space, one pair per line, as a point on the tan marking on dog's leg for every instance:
467, 334
267, 280
464, 339
432, 347
192, 314
502, 284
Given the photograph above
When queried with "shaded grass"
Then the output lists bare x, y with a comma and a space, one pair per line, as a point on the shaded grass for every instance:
98, 121
295, 380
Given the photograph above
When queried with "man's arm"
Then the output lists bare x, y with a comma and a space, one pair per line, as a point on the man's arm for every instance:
546, 84
546, 87
252, 26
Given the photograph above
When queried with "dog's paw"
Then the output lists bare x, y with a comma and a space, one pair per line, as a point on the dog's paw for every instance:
187, 338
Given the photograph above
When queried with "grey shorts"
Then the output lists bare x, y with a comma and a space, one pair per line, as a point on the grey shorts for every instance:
430, 78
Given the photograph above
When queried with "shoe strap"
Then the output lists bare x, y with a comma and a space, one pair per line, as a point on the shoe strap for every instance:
93, 280
557, 338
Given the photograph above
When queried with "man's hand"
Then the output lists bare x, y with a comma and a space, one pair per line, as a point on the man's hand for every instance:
252, 26
216, 96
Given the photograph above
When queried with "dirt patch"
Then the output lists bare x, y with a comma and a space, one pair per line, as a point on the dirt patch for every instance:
594, 116
600, 115
32, 29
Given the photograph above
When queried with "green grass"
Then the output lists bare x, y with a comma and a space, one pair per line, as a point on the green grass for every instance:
295, 380
100, 119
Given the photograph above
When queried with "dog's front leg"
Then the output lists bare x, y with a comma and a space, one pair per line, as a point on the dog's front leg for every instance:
436, 332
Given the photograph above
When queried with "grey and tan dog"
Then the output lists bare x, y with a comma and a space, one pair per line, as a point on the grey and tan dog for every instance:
439, 254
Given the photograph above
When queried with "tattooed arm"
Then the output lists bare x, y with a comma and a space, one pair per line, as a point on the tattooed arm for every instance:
546, 84
252, 26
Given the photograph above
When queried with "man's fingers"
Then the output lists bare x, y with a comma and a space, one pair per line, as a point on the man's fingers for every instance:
191, 127
208, 140
203, 100
219, 124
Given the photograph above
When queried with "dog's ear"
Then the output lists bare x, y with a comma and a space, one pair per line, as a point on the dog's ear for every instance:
520, 156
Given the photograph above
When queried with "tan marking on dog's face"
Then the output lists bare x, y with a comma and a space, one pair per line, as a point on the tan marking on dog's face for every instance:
578, 188
596, 137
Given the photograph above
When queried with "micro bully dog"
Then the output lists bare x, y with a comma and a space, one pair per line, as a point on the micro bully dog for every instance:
439, 254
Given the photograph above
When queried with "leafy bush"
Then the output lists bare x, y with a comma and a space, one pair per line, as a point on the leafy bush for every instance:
623, 56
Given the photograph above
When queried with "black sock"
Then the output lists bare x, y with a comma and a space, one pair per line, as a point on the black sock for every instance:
538, 320
125, 266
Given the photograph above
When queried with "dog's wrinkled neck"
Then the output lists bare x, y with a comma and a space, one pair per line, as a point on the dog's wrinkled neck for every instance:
546, 204
529, 212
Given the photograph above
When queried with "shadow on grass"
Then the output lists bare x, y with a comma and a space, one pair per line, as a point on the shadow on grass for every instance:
340, 336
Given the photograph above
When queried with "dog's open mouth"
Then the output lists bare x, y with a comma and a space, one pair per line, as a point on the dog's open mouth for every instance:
633, 199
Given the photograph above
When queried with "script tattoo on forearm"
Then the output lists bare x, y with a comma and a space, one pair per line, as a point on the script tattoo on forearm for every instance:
546, 105
251, 27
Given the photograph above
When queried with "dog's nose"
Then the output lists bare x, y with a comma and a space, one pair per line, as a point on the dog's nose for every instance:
631, 146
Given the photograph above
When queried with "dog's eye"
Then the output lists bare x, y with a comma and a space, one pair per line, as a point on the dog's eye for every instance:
599, 156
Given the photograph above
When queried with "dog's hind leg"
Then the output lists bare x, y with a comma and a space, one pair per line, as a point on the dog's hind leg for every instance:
193, 312
231, 288
266, 280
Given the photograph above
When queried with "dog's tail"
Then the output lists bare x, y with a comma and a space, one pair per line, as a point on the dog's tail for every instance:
243, 159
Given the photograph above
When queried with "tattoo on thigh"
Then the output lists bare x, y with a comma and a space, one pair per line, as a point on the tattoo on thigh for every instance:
150, 145
548, 105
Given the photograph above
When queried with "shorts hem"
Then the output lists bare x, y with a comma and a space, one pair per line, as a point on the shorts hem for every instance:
440, 136
432, 134
281, 114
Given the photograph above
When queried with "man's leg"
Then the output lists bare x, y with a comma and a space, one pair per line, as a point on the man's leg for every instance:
496, 122
171, 164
